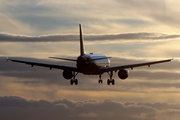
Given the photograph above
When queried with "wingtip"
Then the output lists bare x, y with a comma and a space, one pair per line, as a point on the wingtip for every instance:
172, 58
7, 58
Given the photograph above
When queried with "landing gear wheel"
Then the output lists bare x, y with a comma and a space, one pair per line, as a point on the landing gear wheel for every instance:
113, 82
108, 82
71, 82
99, 81
76, 82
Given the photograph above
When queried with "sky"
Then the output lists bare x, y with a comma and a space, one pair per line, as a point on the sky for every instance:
129, 31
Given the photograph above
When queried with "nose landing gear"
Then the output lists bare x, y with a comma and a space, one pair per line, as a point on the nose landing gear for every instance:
100, 80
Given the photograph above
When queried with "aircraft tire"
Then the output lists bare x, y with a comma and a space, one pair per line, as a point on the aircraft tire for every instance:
113, 82
108, 82
71, 82
76, 82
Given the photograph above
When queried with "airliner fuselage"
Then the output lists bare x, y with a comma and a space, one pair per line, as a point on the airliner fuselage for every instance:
91, 64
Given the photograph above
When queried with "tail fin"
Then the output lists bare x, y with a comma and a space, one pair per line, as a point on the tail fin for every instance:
82, 50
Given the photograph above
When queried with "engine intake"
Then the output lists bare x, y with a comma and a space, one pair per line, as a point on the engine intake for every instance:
123, 74
67, 74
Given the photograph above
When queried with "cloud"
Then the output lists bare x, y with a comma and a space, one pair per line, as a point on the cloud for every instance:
6, 24
153, 22
67, 38
16, 107
10, 25
47, 17
160, 106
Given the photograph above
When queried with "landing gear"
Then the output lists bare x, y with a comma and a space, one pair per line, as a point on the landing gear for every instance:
109, 81
73, 80
100, 80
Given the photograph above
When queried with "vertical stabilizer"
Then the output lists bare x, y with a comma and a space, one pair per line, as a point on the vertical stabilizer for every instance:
82, 50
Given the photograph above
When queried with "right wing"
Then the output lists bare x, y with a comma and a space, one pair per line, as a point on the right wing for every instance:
63, 67
115, 68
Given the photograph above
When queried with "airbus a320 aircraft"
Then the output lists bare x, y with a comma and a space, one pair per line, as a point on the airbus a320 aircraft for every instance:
90, 64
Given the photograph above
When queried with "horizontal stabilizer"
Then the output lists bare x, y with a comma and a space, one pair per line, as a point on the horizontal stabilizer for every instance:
63, 59
76, 60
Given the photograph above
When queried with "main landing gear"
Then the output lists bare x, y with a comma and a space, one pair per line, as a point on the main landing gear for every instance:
109, 81
73, 80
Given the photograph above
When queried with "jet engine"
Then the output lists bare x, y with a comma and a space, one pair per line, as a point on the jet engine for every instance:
123, 74
67, 74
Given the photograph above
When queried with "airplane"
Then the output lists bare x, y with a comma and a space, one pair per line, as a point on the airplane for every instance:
90, 64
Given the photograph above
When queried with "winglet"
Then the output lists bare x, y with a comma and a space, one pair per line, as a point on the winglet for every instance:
82, 50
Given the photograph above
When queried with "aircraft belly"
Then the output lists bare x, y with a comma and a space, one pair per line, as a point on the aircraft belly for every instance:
92, 67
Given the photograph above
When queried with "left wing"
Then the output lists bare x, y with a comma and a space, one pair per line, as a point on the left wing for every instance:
70, 68
115, 68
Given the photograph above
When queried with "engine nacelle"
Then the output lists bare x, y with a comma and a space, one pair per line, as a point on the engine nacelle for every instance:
67, 74
123, 74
